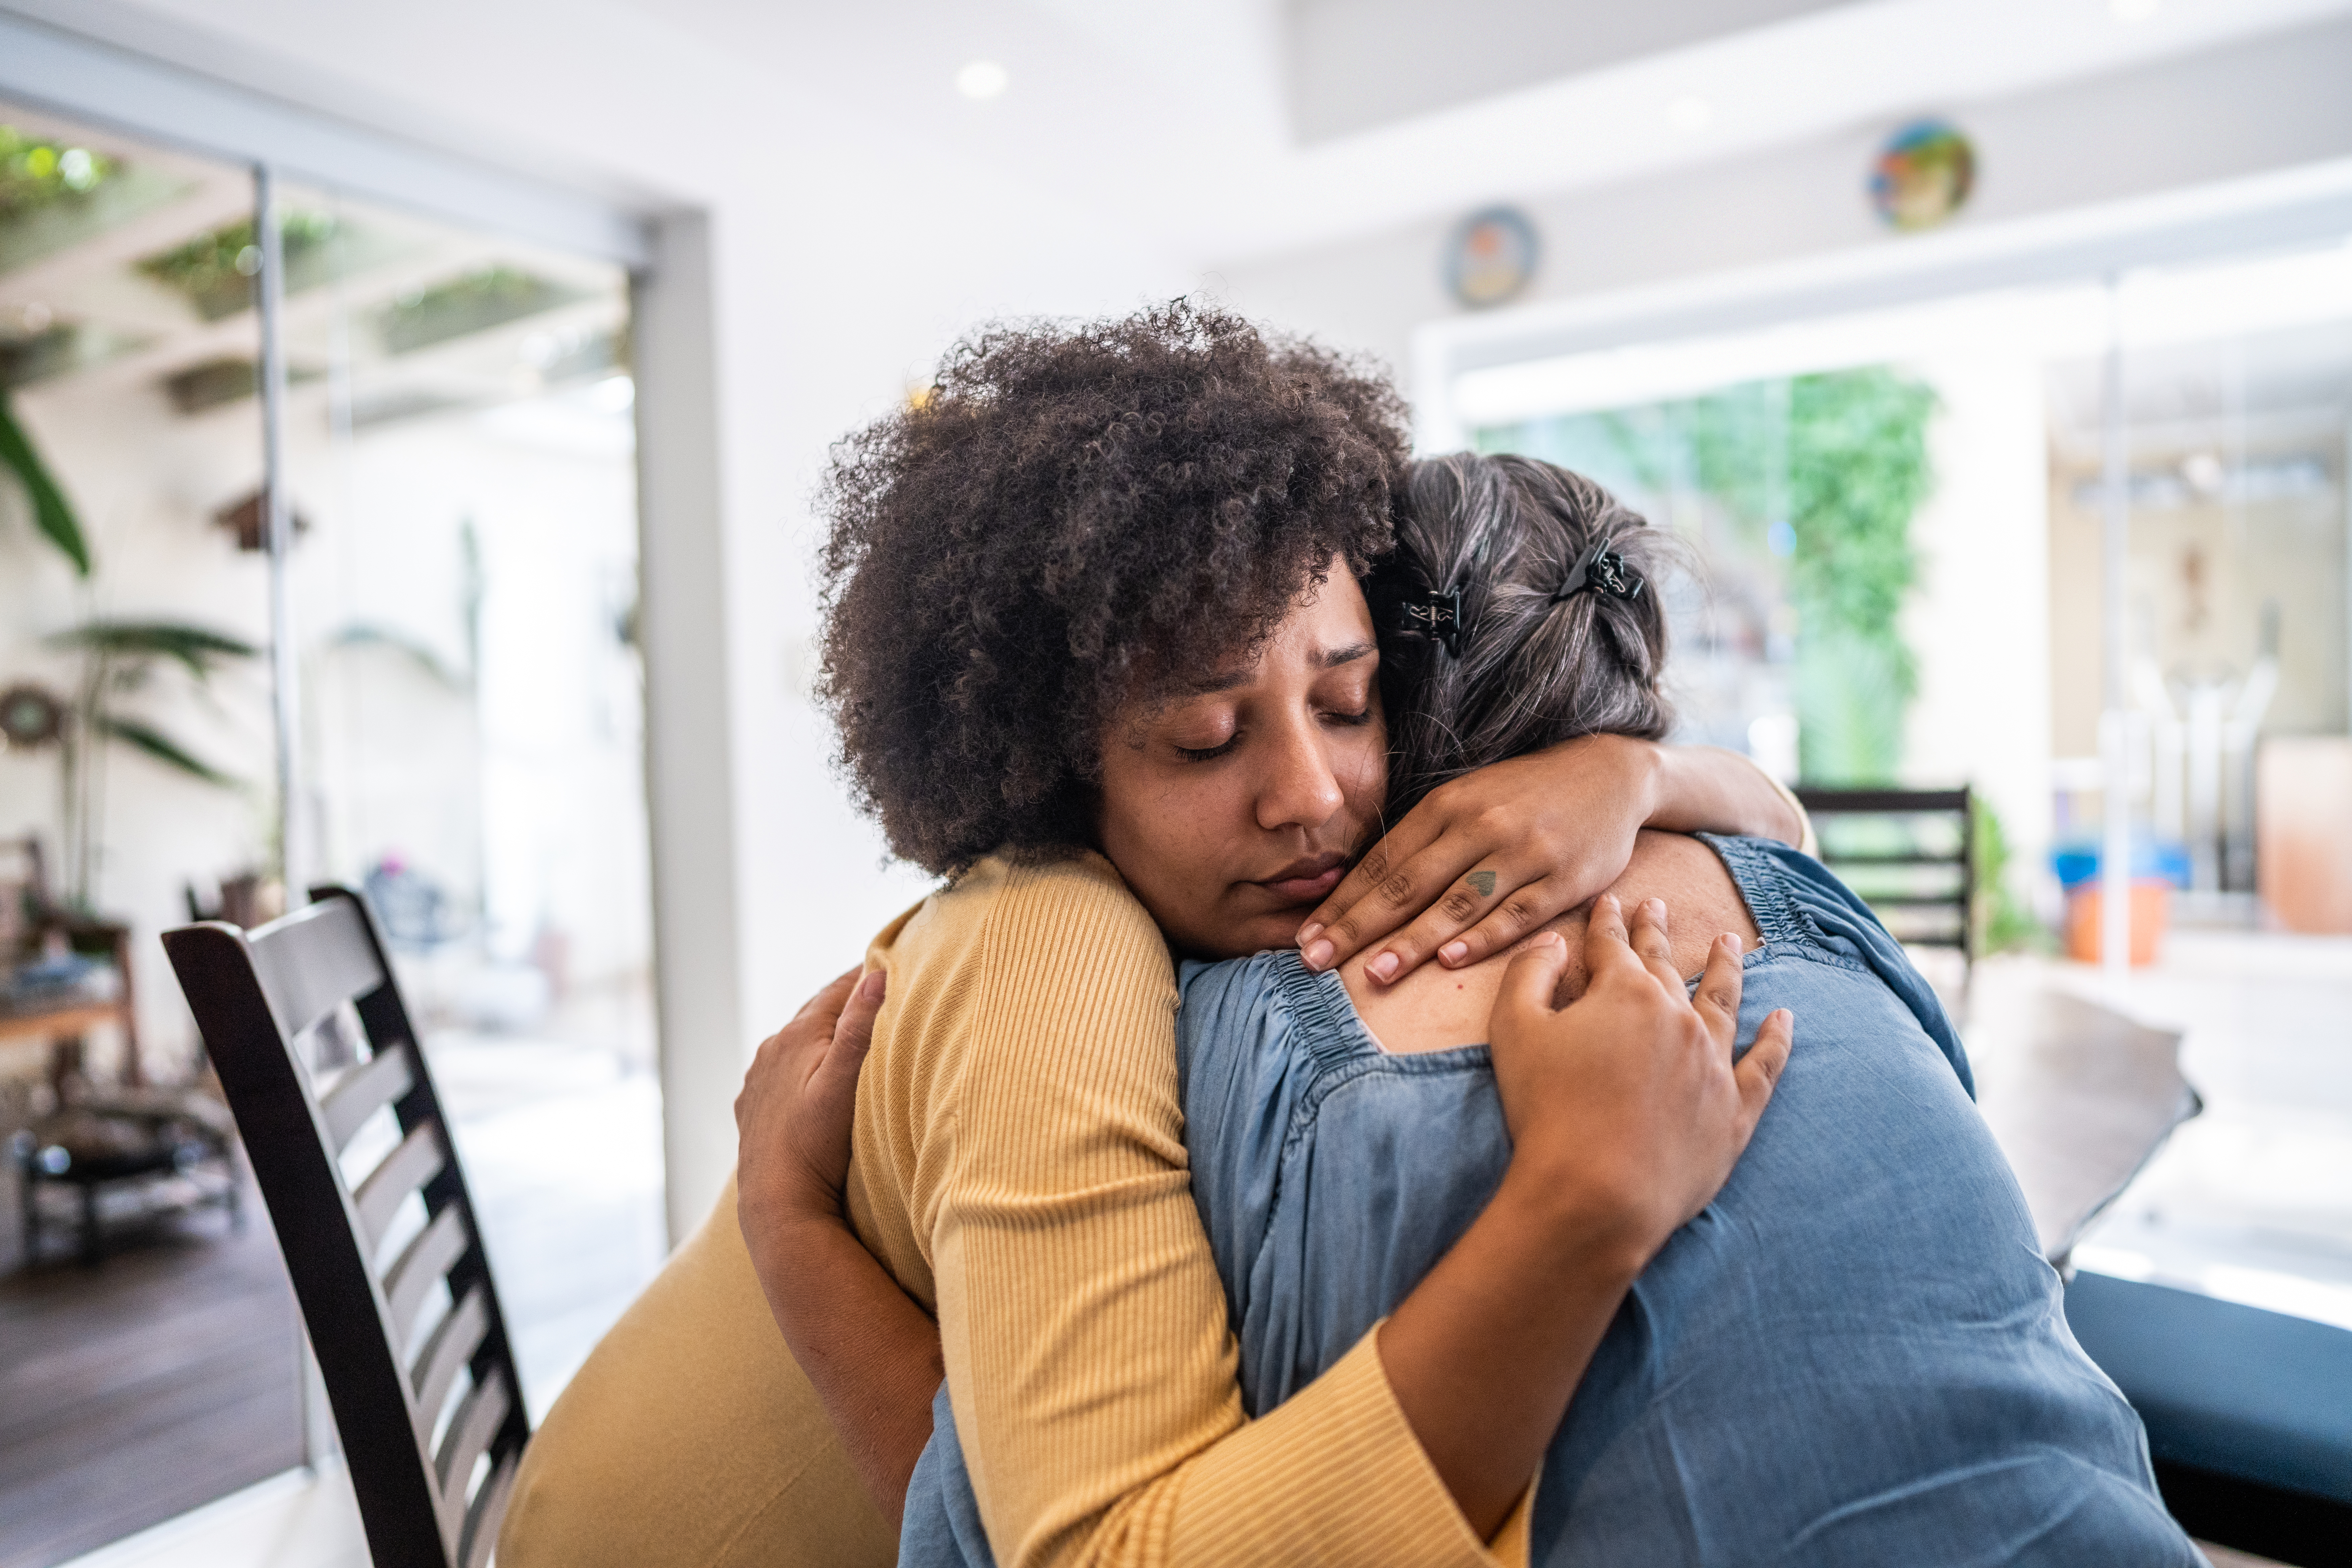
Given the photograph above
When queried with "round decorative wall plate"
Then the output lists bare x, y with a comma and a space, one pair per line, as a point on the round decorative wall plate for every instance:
1490, 255
1923, 175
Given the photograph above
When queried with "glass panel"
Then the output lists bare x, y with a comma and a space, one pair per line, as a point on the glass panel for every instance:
460, 456
1884, 506
2238, 403
138, 764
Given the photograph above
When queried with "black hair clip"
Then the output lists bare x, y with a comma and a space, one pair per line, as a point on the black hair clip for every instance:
1438, 613
1604, 569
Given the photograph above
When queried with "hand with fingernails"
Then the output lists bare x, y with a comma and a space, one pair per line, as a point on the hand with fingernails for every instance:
1627, 1102
1487, 858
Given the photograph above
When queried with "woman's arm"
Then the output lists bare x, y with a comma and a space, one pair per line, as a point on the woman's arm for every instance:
1463, 1387
871, 1353
1490, 857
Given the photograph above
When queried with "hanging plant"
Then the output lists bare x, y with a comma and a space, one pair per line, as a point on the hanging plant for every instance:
215, 272
36, 173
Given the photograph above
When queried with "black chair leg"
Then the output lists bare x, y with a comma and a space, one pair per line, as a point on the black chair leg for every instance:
93, 1251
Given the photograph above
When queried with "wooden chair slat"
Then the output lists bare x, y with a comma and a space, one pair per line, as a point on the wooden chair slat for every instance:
479, 1416
453, 1344
421, 1263
313, 960
365, 1090
489, 1509
417, 1162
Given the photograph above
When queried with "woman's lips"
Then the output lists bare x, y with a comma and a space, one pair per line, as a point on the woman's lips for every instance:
1306, 886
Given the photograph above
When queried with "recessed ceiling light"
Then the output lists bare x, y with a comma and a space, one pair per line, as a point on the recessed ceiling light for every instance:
982, 79
1690, 114
2132, 10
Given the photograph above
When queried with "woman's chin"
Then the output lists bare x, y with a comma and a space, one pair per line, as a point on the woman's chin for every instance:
1257, 934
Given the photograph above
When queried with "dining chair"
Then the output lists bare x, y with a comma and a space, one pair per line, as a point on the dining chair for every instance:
419, 1370
1909, 854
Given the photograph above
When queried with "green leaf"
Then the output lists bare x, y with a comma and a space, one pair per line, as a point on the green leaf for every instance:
52, 513
198, 648
140, 736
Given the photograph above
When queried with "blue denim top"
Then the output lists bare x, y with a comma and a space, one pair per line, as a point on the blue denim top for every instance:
1855, 1354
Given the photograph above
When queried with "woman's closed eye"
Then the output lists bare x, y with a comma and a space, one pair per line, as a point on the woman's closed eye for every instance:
1210, 754
1359, 716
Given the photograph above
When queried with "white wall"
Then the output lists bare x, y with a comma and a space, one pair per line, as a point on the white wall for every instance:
1980, 624
2225, 113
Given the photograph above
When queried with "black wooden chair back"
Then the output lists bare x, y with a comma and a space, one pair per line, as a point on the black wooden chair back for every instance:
427, 1405
1914, 864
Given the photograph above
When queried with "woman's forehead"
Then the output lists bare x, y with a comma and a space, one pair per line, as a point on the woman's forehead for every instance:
1330, 625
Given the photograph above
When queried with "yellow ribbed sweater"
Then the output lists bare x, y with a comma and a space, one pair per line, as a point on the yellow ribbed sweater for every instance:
1019, 1167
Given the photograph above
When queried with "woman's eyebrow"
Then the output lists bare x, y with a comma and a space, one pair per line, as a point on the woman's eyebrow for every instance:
1330, 658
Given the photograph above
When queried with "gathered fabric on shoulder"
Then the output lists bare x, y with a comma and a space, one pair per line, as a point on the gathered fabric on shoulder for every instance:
1854, 1355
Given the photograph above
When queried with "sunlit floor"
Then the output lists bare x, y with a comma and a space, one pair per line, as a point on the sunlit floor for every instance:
2252, 1200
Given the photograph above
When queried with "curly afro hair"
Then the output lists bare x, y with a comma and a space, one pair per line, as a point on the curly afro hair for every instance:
1073, 518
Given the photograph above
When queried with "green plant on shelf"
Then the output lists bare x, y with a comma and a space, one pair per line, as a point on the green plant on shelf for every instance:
215, 272
119, 661
36, 173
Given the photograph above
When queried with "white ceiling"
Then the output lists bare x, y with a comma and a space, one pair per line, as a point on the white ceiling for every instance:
1353, 65
1214, 131
1189, 119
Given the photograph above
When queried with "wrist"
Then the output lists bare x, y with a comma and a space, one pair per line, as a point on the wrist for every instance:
783, 1205
793, 1257
1646, 763
1586, 1233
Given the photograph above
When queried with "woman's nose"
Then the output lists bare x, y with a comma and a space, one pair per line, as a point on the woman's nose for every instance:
1299, 788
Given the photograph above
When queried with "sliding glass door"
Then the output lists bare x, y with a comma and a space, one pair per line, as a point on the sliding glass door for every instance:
457, 700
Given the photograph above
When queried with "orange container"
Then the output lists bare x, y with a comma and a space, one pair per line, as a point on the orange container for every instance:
2151, 910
